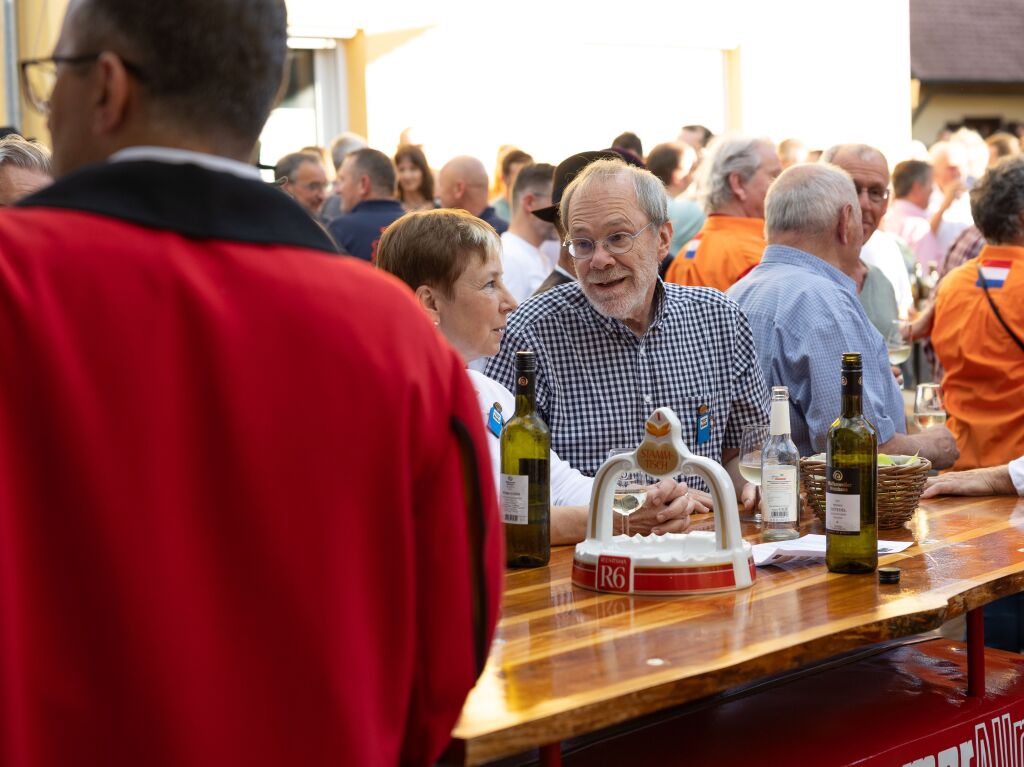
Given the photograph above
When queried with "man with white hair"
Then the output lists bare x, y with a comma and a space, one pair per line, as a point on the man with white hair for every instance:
732, 180
802, 306
24, 168
619, 343
954, 173
462, 183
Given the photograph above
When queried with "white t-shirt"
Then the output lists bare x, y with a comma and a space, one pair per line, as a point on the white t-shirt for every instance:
568, 486
524, 266
882, 251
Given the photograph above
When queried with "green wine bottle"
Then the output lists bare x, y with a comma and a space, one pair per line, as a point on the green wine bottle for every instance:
526, 474
851, 481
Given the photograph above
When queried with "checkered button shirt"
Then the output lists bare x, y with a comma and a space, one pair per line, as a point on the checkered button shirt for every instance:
597, 382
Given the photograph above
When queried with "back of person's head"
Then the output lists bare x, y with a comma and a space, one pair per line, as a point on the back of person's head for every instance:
725, 155
630, 142
663, 161
512, 158
285, 168
650, 192
791, 152
21, 153
536, 178
415, 155
908, 173
702, 134
434, 247
343, 144
206, 67
997, 202
377, 167
808, 199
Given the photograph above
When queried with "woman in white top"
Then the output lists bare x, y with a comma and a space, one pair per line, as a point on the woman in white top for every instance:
452, 260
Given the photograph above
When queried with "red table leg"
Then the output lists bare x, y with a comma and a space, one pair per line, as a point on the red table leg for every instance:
976, 652
551, 755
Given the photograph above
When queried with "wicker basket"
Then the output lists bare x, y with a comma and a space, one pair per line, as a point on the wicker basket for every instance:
899, 490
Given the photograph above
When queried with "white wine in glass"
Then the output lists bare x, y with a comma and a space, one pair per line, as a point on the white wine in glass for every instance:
751, 445
928, 408
897, 344
630, 490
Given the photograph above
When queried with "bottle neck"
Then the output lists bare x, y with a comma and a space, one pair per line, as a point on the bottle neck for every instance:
852, 402
780, 418
526, 392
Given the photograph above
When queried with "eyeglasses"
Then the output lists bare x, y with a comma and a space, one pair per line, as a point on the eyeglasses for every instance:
877, 194
39, 76
582, 248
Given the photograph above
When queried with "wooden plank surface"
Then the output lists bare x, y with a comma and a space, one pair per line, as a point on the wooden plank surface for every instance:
567, 661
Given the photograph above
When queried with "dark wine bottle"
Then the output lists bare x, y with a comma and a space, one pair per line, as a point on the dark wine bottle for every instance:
526, 474
851, 481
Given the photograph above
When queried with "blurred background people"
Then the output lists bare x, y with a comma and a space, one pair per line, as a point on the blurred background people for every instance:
631, 143
792, 151
303, 177
24, 168
462, 183
512, 161
366, 188
342, 144
525, 267
912, 183
415, 179
675, 165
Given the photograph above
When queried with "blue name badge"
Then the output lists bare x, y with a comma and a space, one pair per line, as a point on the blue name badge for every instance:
703, 424
494, 420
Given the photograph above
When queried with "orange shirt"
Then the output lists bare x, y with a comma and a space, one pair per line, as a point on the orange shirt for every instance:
724, 250
983, 388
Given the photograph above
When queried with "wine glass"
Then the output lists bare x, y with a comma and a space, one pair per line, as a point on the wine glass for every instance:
928, 408
754, 437
896, 342
630, 490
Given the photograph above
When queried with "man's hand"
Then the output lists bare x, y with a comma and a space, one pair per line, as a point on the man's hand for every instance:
921, 326
937, 444
992, 481
667, 509
750, 497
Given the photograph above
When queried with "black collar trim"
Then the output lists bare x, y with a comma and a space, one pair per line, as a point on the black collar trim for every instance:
196, 202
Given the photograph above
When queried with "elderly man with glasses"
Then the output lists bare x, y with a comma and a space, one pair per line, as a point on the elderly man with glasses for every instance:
620, 343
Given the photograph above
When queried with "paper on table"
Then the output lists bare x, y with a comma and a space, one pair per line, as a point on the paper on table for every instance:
809, 547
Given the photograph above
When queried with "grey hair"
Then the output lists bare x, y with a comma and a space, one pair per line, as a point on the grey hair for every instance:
650, 192
725, 155
343, 144
21, 153
862, 152
287, 165
808, 199
997, 201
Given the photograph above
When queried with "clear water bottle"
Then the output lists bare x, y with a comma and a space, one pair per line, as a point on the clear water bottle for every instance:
780, 474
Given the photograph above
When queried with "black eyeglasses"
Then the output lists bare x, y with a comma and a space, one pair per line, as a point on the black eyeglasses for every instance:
39, 76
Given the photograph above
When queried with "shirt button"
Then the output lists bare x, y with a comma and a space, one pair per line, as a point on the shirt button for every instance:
648, 399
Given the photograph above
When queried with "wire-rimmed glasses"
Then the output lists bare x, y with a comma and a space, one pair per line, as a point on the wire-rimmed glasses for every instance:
617, 243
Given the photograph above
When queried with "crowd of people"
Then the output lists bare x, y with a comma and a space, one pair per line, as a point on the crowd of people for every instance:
238, 471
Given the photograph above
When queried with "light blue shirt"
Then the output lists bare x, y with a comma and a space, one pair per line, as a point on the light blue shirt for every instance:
687, 218
804, 314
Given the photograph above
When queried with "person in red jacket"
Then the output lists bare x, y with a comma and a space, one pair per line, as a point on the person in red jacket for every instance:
245, 511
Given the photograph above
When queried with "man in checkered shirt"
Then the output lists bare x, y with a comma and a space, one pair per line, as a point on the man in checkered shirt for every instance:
620, 342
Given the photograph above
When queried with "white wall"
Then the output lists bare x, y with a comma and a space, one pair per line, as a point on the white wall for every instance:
953, 107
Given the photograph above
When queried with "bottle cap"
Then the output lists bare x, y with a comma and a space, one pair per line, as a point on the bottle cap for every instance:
888, 575
526, 361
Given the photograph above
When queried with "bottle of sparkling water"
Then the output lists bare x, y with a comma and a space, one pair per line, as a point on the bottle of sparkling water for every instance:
851, 481
526, 474
780, 474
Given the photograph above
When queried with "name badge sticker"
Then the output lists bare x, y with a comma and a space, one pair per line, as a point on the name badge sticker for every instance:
495, 422
703, 424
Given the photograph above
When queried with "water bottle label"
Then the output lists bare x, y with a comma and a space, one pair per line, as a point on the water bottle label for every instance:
515, 497
842, 501
778, 486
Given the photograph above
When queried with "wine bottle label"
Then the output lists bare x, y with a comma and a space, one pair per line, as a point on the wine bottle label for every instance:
778, 487
842, 500
515, 496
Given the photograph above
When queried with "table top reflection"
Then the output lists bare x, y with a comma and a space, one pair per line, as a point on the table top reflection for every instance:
567, 661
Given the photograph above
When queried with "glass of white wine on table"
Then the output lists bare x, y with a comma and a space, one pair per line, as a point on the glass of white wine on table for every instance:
751, 445
897, 344
630, 490
928, 407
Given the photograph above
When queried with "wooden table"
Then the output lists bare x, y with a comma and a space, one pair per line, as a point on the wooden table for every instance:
567, 661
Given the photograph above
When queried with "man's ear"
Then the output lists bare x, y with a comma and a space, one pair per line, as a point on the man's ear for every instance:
664, 240
844, 227
736, 186
427, 297
116, 93
365, 187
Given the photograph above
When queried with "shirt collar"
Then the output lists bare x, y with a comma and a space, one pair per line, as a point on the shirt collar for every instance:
186, 156
783, 254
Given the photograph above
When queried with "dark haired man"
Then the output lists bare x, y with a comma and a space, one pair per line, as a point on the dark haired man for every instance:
525, 267
188, 572
366, 188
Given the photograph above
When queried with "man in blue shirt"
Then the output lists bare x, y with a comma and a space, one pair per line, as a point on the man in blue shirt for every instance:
804, 313
366, 188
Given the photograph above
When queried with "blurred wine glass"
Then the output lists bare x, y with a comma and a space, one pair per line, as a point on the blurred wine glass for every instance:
897, 342
754, 437
928, 408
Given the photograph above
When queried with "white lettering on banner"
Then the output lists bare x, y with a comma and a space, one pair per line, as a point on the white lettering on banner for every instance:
613, 573
997, 743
